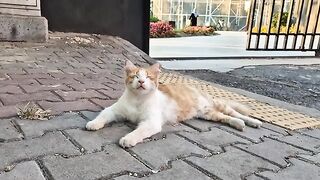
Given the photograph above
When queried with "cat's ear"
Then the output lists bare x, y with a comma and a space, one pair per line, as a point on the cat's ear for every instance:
129, 66
155, 68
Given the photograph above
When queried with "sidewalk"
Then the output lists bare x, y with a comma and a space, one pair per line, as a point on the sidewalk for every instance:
84, 75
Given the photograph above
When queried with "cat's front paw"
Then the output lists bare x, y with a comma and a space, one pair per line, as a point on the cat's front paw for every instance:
94, 125
128, 141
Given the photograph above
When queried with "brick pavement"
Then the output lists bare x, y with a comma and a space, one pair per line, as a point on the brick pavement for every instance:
84, 78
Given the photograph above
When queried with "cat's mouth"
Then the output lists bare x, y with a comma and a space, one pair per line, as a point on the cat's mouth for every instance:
141, 87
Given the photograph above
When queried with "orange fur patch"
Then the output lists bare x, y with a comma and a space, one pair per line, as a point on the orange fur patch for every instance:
185, 98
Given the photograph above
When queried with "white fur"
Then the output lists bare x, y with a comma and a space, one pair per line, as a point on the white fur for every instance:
142, 103
148, 107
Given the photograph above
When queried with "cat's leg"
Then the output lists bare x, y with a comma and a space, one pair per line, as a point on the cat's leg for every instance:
217, 116
108, 115
144, 130
248, 120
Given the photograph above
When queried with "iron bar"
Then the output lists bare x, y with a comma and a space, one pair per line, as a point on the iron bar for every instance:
276, 40
266, 45
260, 24
250, 20
294, 43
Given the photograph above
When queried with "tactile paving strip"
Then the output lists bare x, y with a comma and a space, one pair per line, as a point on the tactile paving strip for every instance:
275, 115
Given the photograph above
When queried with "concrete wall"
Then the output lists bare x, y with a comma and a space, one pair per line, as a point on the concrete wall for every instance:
128, 19
20, 20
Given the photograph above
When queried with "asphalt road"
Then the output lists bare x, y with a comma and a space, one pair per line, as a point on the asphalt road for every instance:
298, 85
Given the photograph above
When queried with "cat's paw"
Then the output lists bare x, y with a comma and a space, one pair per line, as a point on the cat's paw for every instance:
238, 124
128, 141
93, 125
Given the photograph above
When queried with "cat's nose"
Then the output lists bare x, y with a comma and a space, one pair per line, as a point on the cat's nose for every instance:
141, 81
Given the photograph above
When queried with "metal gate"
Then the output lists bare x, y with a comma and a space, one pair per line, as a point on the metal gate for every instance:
284, 25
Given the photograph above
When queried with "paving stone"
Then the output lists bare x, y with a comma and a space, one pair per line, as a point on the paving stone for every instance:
302, 141
91, 85
232, 164
314, 133
213, 139
201, 125
29, 76
58, 81
51, 143
8, 111
8, 131
12, 99
103, 102
298, 171
75, 95
19, 81
67, 120
90, 115
274, 151
314, 158
95, 140
253, 177
275, 128
92, 166
60, 107
112, 94
36, 88
159, 153
254, 134
26, 170
179, 170
10, 89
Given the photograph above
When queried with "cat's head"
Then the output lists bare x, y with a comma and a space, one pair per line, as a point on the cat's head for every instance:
141, 80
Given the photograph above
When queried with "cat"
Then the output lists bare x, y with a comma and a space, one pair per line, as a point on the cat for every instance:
151, 105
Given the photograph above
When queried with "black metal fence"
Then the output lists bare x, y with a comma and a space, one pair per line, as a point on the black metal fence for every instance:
284, 25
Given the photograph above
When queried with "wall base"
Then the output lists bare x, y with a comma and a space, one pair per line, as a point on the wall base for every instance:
23, 28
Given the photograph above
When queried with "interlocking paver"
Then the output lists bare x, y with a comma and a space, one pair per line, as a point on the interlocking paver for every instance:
49, 144
36, 88
75, 95
8, 111
10, 89
68, 120
12, 99
314, 133
158, 153
232, 164
26, 170
60, 107
95, 140
313, 158
91, 166
276, 152
213, 139
103, 102
8, 131
299, 170
179, 170
302, 141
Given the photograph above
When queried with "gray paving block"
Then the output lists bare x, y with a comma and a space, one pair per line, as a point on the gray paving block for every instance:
201, 125
26, 170
299, 170
213, 139
254, 134
90, 115
159, 153
33, 128
91, 166
233, 164
274, 151
50, 143
314, 158
94, 140
275, 128
305, 142
8, 131
314, 133
179, 170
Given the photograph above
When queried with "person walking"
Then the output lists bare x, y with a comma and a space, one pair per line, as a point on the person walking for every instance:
193, 18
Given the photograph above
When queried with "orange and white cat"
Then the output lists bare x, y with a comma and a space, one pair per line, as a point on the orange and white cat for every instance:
151, 105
